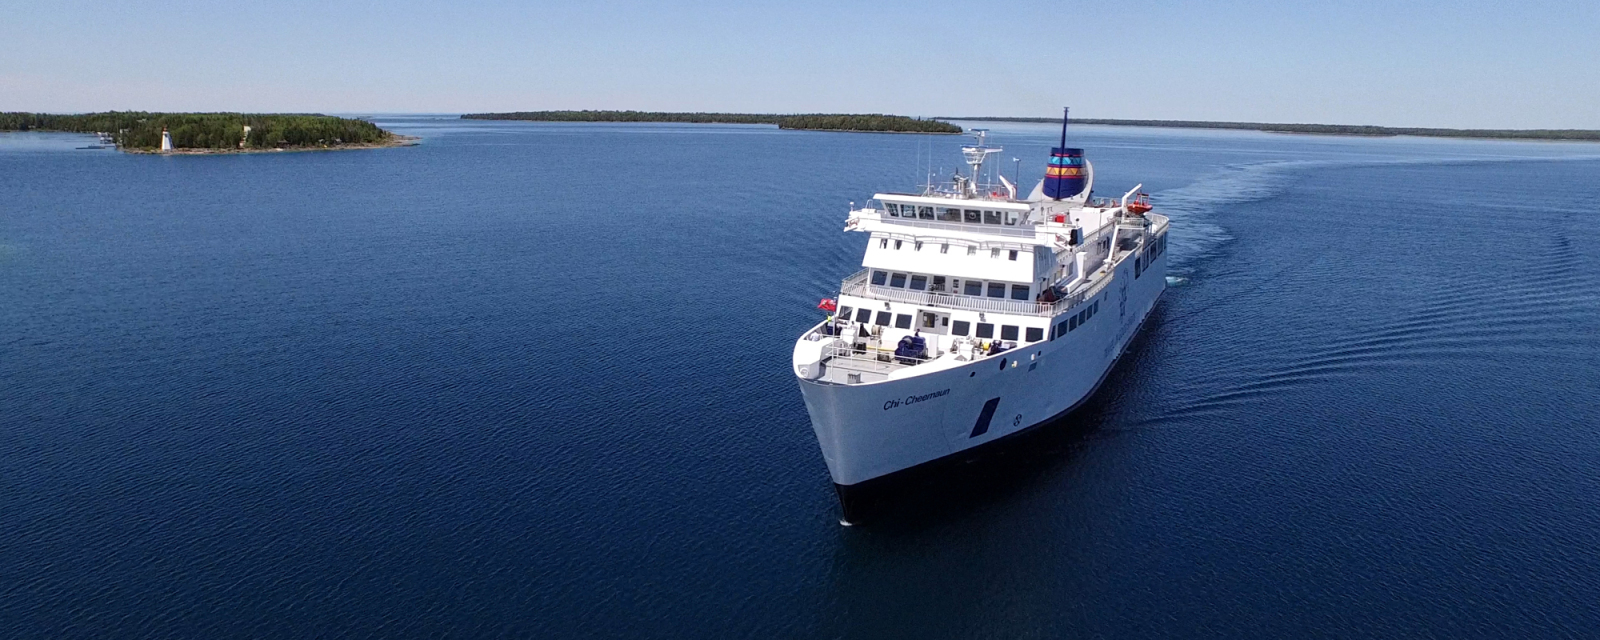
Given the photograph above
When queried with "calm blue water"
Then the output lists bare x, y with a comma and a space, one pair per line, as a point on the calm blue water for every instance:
532, 380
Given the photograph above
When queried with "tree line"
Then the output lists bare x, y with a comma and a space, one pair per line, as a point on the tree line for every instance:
812, 121
142, 130
1329, 129
865, 122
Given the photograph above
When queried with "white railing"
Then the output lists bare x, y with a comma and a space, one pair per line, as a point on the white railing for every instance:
857, 285
1020, 230
878, 357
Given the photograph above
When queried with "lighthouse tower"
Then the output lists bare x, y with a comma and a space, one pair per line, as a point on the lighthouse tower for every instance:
166, 140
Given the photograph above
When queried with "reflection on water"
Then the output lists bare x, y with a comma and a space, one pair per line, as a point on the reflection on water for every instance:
517, 381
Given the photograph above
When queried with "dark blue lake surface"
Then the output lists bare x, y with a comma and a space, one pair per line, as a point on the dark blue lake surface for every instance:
533, 380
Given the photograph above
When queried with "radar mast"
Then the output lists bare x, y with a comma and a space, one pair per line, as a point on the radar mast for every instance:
975, 156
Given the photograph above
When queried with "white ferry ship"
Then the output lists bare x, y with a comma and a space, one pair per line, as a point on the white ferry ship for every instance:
976, 315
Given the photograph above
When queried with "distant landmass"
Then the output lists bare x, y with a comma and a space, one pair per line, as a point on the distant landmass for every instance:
1325, 129
810, 121
140, 131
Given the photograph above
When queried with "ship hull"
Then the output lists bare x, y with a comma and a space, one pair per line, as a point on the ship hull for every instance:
870, 432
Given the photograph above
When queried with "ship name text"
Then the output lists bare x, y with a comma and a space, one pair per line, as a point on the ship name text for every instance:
914, 399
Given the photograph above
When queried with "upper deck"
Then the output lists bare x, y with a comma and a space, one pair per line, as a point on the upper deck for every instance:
1131, 235
981, 219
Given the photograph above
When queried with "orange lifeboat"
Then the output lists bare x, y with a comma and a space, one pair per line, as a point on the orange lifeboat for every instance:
1140, 204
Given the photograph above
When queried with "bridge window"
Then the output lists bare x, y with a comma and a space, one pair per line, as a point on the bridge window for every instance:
926, 213
863, 315
1019, 292
919, 283
960, 327
997, 289
949, 215
883, 319
974, 288
1035, 334
897, 280
844, 313
880, 277
1008, 332
985, 330
991, 217
1072, 323
1061, 329
902, 321
892, 209
1011, 218
938, 284
973, 216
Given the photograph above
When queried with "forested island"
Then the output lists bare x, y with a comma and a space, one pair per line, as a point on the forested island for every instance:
809, 121
1327, 129
140, 132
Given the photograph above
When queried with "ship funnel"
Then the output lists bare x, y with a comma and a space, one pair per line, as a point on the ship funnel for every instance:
1065, 176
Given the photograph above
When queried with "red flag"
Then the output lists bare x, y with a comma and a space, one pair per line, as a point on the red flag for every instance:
828, 305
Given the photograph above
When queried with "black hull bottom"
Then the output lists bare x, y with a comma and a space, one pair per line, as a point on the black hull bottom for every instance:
904, 489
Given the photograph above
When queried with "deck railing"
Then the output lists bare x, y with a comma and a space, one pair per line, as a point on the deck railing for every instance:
873, 357
857, 285
1022, 230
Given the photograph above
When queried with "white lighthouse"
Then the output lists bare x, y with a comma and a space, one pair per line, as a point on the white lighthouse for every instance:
166, 140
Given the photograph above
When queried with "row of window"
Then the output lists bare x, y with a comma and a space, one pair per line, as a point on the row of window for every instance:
985, 330
952, 214
883, 243
976, 288
1075, 320
1149, 255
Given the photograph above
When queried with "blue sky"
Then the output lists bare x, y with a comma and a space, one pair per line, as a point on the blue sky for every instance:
1469, 63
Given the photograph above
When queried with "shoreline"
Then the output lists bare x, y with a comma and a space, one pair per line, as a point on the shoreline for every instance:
922, 133
396, 141
1363, 131
846, 122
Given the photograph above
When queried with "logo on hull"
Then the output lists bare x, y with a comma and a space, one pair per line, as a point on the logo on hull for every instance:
984, 417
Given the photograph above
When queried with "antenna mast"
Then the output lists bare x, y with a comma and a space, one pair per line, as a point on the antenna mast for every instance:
975, 156
1064, 112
